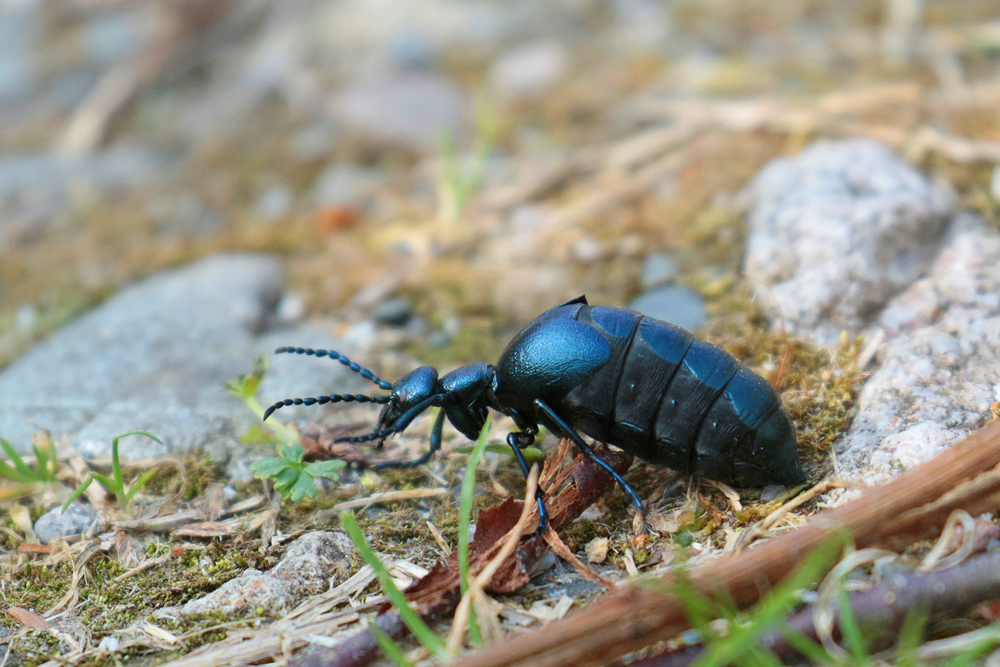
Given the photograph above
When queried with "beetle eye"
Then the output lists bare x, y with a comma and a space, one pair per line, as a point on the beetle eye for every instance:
401, 396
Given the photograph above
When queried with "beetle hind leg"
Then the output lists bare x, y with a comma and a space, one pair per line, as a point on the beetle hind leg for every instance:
567, 431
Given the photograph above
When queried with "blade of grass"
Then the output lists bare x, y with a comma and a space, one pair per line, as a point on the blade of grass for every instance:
137, 485
850, 629
774, 606
464, 518
910, 637
807, 647
79, 492
19, 464
424, 634
391, 649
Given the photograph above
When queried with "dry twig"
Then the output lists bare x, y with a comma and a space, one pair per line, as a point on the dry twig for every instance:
910, 508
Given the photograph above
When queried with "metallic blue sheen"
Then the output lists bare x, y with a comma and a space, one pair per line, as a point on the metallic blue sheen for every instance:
668, 341
752, 397
547, 360
616, 321
710, 364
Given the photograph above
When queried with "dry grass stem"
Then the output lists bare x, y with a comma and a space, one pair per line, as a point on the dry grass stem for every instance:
486, 574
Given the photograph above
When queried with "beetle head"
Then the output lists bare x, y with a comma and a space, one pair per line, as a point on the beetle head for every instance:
408, 392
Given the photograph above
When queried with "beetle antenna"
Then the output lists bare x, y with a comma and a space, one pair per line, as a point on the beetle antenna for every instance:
364, 372
323, 400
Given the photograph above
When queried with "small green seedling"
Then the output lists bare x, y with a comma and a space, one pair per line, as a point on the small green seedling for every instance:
293, 478
461, 178
245, 389
43, 472
116, 483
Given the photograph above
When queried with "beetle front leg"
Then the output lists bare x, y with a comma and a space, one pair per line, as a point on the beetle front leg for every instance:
523, 439
435, 446
515, 440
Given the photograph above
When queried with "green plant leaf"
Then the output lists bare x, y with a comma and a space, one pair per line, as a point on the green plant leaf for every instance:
304, 486
42, 458
910, 636
423, 634
28, 475
284, 480
79, 492
269, 467
139, 482
851, 630
293, 452
326, 469
108, 484
807, 647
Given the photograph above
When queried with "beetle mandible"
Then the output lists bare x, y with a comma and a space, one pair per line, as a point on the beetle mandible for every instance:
640, 384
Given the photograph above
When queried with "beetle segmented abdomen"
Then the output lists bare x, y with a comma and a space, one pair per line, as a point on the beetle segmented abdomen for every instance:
592, 401
654, 355
746, 402
699, 380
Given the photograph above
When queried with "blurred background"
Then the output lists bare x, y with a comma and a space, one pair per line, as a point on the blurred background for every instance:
448, 169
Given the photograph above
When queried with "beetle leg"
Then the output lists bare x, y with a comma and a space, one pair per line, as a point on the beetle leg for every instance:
435, 447
568, 432
514, 440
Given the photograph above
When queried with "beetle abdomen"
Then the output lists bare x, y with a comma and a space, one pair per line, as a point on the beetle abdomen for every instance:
653, 390
672, 399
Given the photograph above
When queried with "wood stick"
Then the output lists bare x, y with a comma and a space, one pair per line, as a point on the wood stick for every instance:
910, 508
883, 608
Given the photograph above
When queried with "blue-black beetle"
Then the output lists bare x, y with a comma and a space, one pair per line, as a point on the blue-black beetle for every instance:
645, 386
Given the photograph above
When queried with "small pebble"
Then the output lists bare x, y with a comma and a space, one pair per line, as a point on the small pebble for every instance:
658, 269
275, 202
771, 492
587, 249
77, 518
26, 318
675, 304
394, 312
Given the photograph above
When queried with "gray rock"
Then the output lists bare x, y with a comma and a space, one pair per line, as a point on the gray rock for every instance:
412, 109
411, 49
312, 564
395, 312
529, 70
770, 492
112, 37
674, 303
77, 518
347, 185
840, 229
275, 202
657, 270
35, 190
156, 357
313, 142
939, 370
